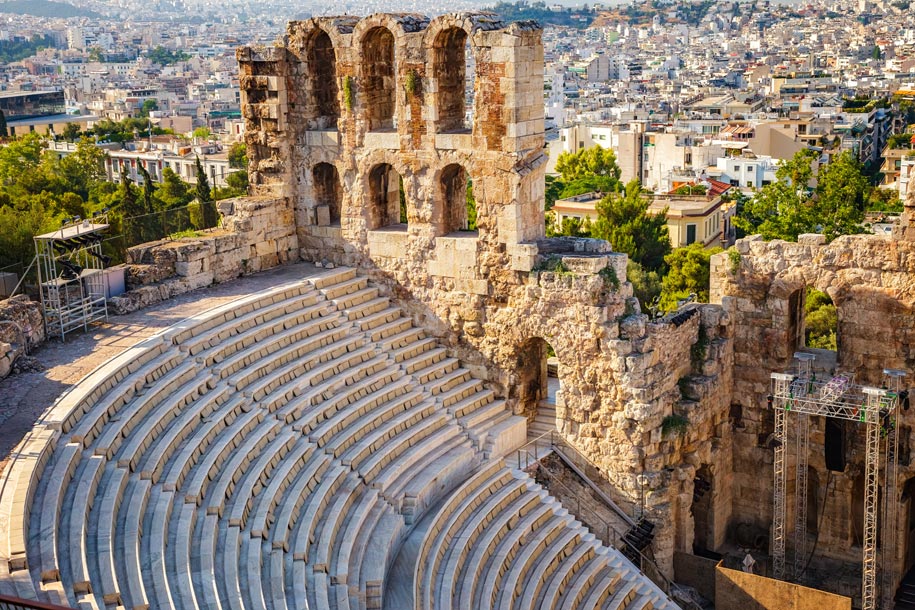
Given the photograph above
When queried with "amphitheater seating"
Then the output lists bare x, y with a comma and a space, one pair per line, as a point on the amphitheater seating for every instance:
277, 452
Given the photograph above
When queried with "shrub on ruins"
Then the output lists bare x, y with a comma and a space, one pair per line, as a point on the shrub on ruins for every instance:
790, 206
688, 273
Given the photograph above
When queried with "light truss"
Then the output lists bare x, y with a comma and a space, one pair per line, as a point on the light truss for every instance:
802, 394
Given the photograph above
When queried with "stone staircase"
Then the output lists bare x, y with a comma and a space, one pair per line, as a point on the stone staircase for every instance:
276, 453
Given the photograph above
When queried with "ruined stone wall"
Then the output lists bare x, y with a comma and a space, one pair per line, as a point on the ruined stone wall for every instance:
257, 233
21, 329
490, 292
869, 280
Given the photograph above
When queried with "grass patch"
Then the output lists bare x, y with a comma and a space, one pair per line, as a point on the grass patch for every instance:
674, 424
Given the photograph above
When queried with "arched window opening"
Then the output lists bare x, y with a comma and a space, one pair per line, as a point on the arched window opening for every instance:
378, 85
538, 385
821, 321
387, 202
460, 211
328, 192
322, 62
454, 69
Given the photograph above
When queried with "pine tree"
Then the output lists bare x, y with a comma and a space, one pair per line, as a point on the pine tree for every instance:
206, 216
131, 210
152, 224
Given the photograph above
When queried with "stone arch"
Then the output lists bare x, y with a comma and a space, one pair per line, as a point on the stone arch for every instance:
702, 511
456, 212
451, 50
538, 382
328, 192
321, 66
378, 77
385, 201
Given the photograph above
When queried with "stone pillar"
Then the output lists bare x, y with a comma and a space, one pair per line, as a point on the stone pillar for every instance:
264, 107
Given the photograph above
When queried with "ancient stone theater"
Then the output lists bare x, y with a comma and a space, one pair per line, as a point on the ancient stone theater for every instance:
368, 433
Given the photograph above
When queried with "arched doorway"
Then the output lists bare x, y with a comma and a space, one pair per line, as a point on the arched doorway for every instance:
378, 88
386, 199
322, 80
451, 51
458, 206
327, 190
702, 511
538, 385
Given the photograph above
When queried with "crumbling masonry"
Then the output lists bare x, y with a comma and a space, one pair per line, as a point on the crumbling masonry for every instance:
346, 110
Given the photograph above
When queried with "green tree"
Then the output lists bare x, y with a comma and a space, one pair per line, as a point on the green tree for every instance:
822, 320
623, 220
841, 196
782, 209
876, 52
471, 208
203, 211
152, 222
130, 210
553, 191
71, 132
586, 163
688, 273
172, 191
95, 54
4, 131
202, 132
646, 285
238, 156
147, 107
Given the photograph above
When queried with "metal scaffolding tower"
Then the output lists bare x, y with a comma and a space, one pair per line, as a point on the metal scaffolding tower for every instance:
803, 395
70, 275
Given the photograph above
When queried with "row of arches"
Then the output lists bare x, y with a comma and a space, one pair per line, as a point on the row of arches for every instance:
452, 68
387, 197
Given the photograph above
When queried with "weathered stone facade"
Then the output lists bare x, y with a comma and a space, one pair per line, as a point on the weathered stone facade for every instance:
257, 233
347, 108
869, 279
21, 328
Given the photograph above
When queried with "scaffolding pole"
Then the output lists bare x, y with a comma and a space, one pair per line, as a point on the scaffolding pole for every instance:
801, 387
889, 561
800, 503
838, 397
871, 479
778, 463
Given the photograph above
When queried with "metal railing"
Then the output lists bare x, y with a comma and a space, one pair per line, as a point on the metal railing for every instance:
535, 449
606, 533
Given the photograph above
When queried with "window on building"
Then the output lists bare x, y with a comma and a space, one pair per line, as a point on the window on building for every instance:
690, 234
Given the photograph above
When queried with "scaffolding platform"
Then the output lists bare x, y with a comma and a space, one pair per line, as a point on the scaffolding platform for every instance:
71, 276
798, 395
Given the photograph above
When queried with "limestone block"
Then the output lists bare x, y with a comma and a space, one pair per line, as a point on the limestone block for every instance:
585, 264
326, 138
811, 239
322, 215
379, 140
